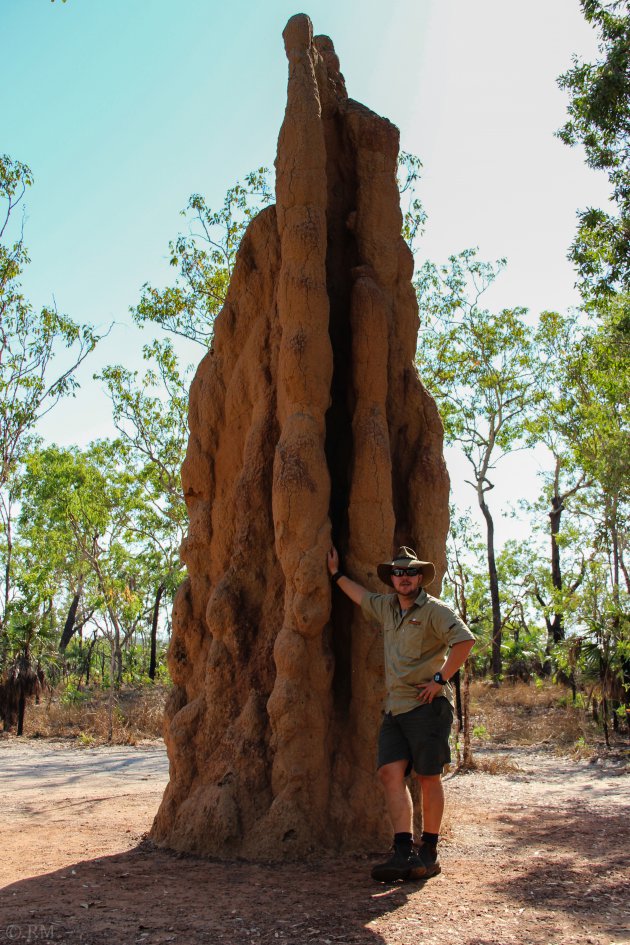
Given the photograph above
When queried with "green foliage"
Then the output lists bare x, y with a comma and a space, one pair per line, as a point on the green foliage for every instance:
204, 259
32, 379
95, 545
467, 588
71, 694
82, 531
39, 355
477, 364
150, 414
414, 214
598, 391
481, 369
599, 119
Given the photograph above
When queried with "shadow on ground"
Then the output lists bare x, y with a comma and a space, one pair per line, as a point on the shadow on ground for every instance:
148, 895
572, 860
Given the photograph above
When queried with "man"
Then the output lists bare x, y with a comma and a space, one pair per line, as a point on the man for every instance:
425, 644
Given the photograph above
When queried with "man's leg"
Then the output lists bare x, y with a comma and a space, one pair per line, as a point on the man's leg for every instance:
400, 810
432, 811
432, 802
394, 761
397, 796
428, 733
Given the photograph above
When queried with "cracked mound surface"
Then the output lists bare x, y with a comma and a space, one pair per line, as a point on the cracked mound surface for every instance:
308, 424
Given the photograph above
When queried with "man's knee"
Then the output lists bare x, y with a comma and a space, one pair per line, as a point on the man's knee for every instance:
392, 775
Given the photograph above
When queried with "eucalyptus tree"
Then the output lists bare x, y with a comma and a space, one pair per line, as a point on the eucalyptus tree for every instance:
481, 369
150, 408
586, 422
466, 588
597, 371
150, 414
84, 505
204, 258
599, 120
40, 352
556, 426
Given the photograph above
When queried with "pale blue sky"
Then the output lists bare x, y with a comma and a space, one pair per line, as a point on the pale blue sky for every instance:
123, 108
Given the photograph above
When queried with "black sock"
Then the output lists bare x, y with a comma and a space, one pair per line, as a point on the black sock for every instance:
403, 843
430, 838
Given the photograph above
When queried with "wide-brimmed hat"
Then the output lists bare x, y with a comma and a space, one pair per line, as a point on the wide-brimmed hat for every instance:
406, 558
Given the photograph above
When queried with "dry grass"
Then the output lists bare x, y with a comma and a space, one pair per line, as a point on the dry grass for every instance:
498, 764
136, 716
524, 714
513, 715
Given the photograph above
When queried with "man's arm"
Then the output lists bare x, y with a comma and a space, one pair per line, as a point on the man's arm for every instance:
458, 654
353, 590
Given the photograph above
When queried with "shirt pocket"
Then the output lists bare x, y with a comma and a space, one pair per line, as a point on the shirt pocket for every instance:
412, 641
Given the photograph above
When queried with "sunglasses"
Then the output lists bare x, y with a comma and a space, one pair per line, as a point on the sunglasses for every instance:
410, 572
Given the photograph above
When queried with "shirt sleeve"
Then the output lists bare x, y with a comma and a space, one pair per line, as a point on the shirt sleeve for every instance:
448, 626
375, 606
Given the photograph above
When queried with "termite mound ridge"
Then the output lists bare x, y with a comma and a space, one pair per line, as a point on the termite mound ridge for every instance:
308, 424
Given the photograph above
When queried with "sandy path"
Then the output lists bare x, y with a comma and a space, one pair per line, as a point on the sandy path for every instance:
81, 801
536, 857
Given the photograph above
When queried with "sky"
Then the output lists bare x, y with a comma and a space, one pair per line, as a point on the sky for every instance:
123, 109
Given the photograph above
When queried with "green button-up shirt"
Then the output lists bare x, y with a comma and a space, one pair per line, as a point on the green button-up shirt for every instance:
416, 643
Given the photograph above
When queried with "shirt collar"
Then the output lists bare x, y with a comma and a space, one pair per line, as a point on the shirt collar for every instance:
421, 598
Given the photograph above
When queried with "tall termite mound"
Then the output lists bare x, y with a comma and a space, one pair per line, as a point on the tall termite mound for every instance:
308, 423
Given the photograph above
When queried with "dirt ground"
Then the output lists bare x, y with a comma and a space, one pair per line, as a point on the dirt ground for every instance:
536, 856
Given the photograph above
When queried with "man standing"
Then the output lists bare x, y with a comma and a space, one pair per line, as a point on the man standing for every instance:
425, 644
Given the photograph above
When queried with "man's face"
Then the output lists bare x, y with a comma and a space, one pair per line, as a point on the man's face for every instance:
407, 584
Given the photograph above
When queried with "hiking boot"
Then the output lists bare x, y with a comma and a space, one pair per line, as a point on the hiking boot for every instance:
424, 862
398, 866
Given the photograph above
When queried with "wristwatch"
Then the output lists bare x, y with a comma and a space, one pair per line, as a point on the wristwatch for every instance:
439, 678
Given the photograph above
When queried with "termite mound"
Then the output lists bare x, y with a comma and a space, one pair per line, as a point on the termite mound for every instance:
308, 424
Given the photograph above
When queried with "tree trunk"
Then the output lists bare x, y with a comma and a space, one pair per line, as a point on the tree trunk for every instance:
7, 586
494, 592
557, 508
617, 562
110, 700
605, 721
71, 619
117, 663
154, 625
21, 712
86, 661
546, 666
468, 755
7, 569
463, 692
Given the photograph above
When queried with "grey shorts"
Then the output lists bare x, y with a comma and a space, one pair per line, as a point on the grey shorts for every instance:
419, 737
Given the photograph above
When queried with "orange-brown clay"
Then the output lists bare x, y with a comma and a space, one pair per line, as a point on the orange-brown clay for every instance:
308, 424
